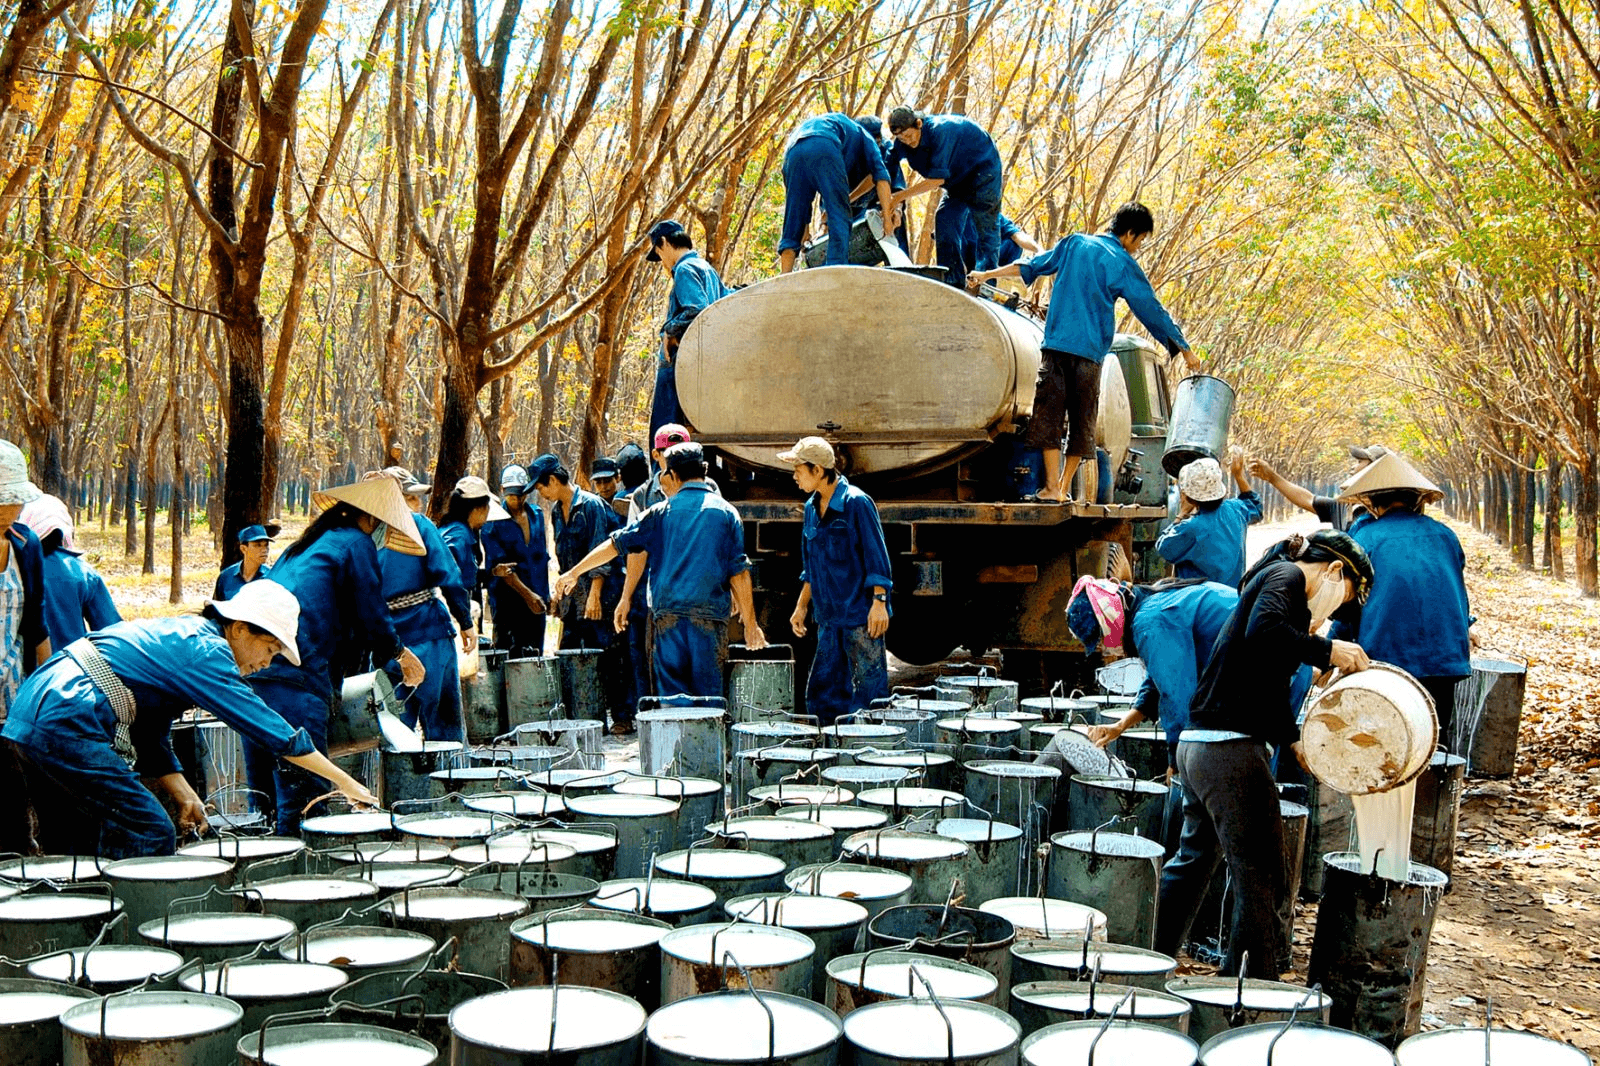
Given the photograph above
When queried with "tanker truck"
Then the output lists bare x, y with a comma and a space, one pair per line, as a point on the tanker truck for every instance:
923, 391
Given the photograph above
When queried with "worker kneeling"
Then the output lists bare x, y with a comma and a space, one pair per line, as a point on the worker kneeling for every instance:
98, 716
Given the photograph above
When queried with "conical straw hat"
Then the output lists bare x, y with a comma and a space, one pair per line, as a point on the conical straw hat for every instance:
381, 498
1389, 472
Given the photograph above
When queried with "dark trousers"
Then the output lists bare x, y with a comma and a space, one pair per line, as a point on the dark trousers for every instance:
664, 409
89, 802
291, 789
978, 203
1443, 691
813, 167
516, 629
690, 654
644, 675
850, 670
1229, 800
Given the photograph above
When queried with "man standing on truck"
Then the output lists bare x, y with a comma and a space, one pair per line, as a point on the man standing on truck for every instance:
845, 578
695, 287
956, 154
1092, 272
828, 156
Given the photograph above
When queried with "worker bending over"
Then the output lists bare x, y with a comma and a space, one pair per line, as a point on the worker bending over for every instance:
953, 153
1206, 543
828, 156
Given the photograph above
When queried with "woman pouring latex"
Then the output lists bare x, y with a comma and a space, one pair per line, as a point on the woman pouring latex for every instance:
92, 726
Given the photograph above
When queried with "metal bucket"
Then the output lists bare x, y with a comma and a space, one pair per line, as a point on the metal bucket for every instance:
30, 1029
646, 826
451, 828
527, 805
874, 888
573, 782
254, 856
682, 741
960, 933
976, 736
915, 1032
774, 734
110, 968
729, 872
1224, 1003
536, 1026
742, 1026
1143, 749
392, 877
1437, 813
1094, 800
662, 898
796, 842
922, 805
342, 830
1330, 828
1370, 731
1088, 1042
758, 766
385, 999
1037, 1004
853, 735
989, 695
1481, 1045
596, 847
1306, 1044
522, 758
775, 798
516, 849
845, 821
360, 949
581, 737
353, 724
1041, 918
210, 938
1488, 716
59, 868
483, 697
147, 887
590, 947
835, 926
1294, 845
994, 864
581, 689
266, 986
152, 1029
1198, 425
533, 690
695, 960
860, 778
1370, 951
871, 977
1060, 708
1078, 960
544, 890
916, 722
1116, 873
478, 920
935, 769
935, 863
333, 1044
383, 852
760, 683
406, 773
36, 922
304, 899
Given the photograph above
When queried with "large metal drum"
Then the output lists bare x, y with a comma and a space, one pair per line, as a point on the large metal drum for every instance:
915, 1032
533, 690
210, 938
916, 722
933, 769
1143, 749
768, 765
572, 782
30, 1027
773, 734
984, 694
697, 959
923, 806
264, 987
646, 826
543, 891
742, 1027
1437, 812
343, 830
978, 736
526, 805
152, 1029
360, 950
853, 735
305, 899
590, 947
700, 801
451, 828
799, 794
148, 886
995, 856
961, 933
794, 841
662, 898
874, 976
333, 1044
1094, 800
110, 968
581, 688
528, 1026
682, 742
1022, 793
578, 736
1198, 425
845, 821
596, 847
1116, 873
760, 683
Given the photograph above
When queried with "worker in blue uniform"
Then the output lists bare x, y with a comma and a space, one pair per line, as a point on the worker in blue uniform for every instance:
97, 717
605, 478
332, 569
635, 621
873, 125
1342, 516
515, 554
254, 547
24, 640
695, 287
697, 569
78, 601
845, 581
1207, 542
956, 154
1015, 243
470, 507
1417, 617
1092, 273
828, 156
425, 593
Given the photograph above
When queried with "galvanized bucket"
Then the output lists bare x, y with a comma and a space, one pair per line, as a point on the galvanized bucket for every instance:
922, 804
353, 721
758, 766
390, 998
406, 773
935, 863
476, 780
360, 949
774, 798
796, 842
1437, 812
960, 933
1116, 873
983, 692
1330, 828
533, 691
304, 899
915, 1032
211, 938
596, 846
110, 968
590, 947
580, 736
1078, 960
525, 805
1223, 1003
976, 736
645, 825
1198, 425
863, 777
148, 886
682, 741
1022, 793
452, 828
523, 758
152, 1029
36, 922
343, 830
392, 877
574, 782
268, 856
1143, 749
30, 1027
386, 852
667, 900
1037, 1004
874, 976
773, 734
483, 697
1482, 1045
1042, 918
562, 1024
700, 801
750, 1026
729, 872
1094, 800
1065, 709
479, 921
845, 821
916, 722
581, 688
760, 683
853, 735
544, 890
994, 864
934, 769
1310, 1044
874, 888
1085, 1043
704, 958
266, 986
836, 926
332, 1044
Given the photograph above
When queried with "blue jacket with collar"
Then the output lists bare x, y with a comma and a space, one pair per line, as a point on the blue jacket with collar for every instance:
843, 556
1092, 274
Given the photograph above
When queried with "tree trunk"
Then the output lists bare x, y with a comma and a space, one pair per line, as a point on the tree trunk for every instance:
455, 431
1554, 562
1585, 513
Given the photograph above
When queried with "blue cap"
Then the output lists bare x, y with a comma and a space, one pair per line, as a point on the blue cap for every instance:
603, 466
251, 534
542, 467
1083, 623
667, 228
873, 125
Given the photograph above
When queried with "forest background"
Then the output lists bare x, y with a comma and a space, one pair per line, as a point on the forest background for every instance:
253, 247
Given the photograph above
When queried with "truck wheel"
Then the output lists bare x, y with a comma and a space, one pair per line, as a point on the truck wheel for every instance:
923, 637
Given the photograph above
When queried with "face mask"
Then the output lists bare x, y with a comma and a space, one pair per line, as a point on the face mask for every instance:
1328, 597
380, 536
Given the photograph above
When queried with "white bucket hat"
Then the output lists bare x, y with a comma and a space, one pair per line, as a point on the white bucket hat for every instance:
14, 484
473, 487
267, 605
1201, 481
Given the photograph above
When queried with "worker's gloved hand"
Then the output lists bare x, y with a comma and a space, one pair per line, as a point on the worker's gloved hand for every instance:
412, 672
1349, 657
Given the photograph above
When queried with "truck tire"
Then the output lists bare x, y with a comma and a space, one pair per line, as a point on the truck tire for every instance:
923, 637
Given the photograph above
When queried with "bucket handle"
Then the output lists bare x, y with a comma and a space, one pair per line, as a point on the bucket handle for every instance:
1312, 993
1238, 995
749, 983
1488, 1029
239, 790
938, 1005
317, 1013
1093, 1044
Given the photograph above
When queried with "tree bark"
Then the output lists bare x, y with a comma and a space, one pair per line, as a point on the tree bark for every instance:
1585, 513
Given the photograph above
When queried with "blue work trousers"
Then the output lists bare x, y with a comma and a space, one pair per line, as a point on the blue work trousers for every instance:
979, 204
689, 653
644, 678
664, 409
88, 802
850, 670
288, 788
813, 167
437, 701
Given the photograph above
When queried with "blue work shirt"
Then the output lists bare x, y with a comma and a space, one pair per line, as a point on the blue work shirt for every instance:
1010, 250
954, 149
231, 580
843, 556
78, 601
342, 611
467, 550
1173, 632
1416, 616
503, 543
29, 554
862, 155
1092, 273
170, 665
578, 533
405, 574
695, 543
1209, 545
695, 287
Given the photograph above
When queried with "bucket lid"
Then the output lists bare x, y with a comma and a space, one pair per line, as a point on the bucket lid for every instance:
1039, 916
621, 805
1254, 995
308, 888
237, 848
801, 912
519, 1019
217, 929
1068, 1044
848, 881
265, 979
153, 1016
752, 945
53, 868
1472, 1047
109, 964
903, 845
719, 864
361, 947
732, 1026
327, 1043
24, 1002
52, 907
393, 876
836, 816
672, 787
889, 973
1123, 959
389, 852
1308, 1042
349, 822
770, 828
518, 804
451, 904
1118, 845
915, 1030
656, 895
590, 931
976, 830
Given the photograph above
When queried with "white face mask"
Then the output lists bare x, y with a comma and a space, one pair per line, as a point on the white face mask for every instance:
1328, 597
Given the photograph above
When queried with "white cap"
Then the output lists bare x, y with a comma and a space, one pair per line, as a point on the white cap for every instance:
1202, 482
266, 605
14, 484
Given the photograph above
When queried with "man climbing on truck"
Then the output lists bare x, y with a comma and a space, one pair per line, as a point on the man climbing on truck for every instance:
1093, 272
696, 285
956, 154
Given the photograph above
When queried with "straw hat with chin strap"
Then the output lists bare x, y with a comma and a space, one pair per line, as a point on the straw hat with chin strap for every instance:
1389, 472
381, 498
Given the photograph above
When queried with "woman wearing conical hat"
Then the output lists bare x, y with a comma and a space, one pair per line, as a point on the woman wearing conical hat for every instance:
332, 569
